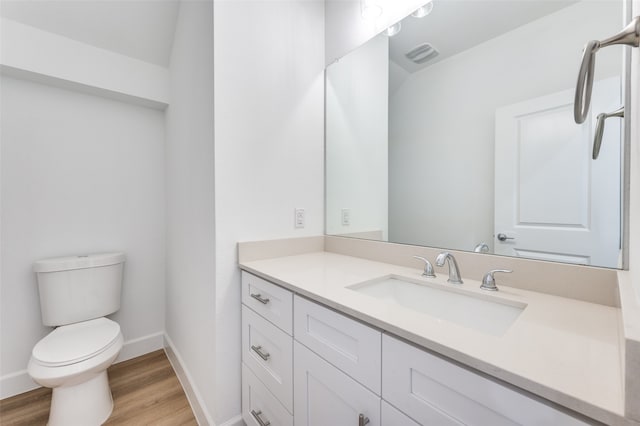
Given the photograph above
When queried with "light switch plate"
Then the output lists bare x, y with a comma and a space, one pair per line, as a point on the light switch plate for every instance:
299, 218
346, 217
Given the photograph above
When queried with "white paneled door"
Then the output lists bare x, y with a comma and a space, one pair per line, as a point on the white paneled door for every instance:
552, 201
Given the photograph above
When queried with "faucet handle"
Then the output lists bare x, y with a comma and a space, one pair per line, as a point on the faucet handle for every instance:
489, 281
428, 268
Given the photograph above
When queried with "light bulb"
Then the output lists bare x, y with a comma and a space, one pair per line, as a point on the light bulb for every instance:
423, 11
393, 30
370, 9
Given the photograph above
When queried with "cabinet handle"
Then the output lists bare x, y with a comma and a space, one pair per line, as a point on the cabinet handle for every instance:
256, 415
258, 349
362, 420
259, 298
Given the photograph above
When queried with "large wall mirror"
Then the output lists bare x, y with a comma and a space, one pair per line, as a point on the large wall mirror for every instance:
457, 132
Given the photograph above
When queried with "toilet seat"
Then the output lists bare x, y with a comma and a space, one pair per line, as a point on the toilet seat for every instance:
74, 343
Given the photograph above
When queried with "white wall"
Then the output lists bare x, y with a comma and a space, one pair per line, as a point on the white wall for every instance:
269, 59
190, 260
357, 108
441, 188
80, 174
346, 29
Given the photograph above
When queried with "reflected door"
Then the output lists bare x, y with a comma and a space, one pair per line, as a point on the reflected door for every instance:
552, 202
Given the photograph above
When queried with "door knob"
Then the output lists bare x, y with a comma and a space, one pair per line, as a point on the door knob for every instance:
504, 237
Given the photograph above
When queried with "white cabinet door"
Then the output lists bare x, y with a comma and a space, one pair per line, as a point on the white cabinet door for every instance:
268, 352
435, 391
348, 344
325, 396
259, 406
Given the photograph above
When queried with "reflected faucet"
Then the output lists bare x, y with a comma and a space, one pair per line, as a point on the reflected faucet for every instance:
481, 248
454, 272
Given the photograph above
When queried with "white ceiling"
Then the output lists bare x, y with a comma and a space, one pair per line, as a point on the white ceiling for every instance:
142, 29
457, 25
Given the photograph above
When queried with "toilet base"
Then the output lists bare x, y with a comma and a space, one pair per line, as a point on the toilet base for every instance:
85, 404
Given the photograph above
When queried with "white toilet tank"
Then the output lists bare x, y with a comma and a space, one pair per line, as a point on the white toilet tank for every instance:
79, 288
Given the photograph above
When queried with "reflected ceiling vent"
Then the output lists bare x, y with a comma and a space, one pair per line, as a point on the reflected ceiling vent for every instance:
422, 53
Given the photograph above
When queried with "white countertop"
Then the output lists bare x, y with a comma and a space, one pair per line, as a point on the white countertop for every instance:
564, 350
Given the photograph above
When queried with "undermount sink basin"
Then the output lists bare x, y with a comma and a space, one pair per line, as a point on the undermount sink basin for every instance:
453, 305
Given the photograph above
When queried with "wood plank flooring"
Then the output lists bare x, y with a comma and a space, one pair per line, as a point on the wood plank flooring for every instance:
146, 391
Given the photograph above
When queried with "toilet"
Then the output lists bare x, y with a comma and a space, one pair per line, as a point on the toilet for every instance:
76, 293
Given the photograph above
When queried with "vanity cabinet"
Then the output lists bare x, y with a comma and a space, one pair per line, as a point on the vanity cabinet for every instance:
307, 365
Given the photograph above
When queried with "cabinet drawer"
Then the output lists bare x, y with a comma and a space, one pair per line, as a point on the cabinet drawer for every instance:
434, 391
349, 345
391, 416
272, 302
258, 402
325, 396
268, 352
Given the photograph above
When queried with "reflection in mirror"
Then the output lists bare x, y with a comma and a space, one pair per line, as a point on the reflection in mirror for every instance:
458, 133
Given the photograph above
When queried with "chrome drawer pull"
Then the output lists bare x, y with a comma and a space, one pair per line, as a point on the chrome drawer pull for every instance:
259, 298
362, 420
256, 415
258, 349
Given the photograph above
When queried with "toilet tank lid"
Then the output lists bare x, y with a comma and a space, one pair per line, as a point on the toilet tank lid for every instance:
78, 262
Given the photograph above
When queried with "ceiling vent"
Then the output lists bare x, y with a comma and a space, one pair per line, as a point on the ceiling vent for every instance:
422, 53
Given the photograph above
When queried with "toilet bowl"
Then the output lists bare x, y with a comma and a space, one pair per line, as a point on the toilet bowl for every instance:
73, 361
76, 294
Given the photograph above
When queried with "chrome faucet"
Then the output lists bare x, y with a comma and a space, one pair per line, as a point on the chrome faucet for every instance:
481, 248
454, 272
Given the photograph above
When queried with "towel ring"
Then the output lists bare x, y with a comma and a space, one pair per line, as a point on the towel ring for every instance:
629, 36
597, 142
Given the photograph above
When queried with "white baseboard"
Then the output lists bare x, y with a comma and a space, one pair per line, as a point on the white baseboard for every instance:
20, 382
16, 383
234, 421
140, 346
195, 400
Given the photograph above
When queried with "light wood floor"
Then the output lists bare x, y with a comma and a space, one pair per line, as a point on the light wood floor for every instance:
145, 391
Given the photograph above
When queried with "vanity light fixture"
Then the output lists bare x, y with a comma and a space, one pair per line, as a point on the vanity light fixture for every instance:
423, 11
370, 9
393, 30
